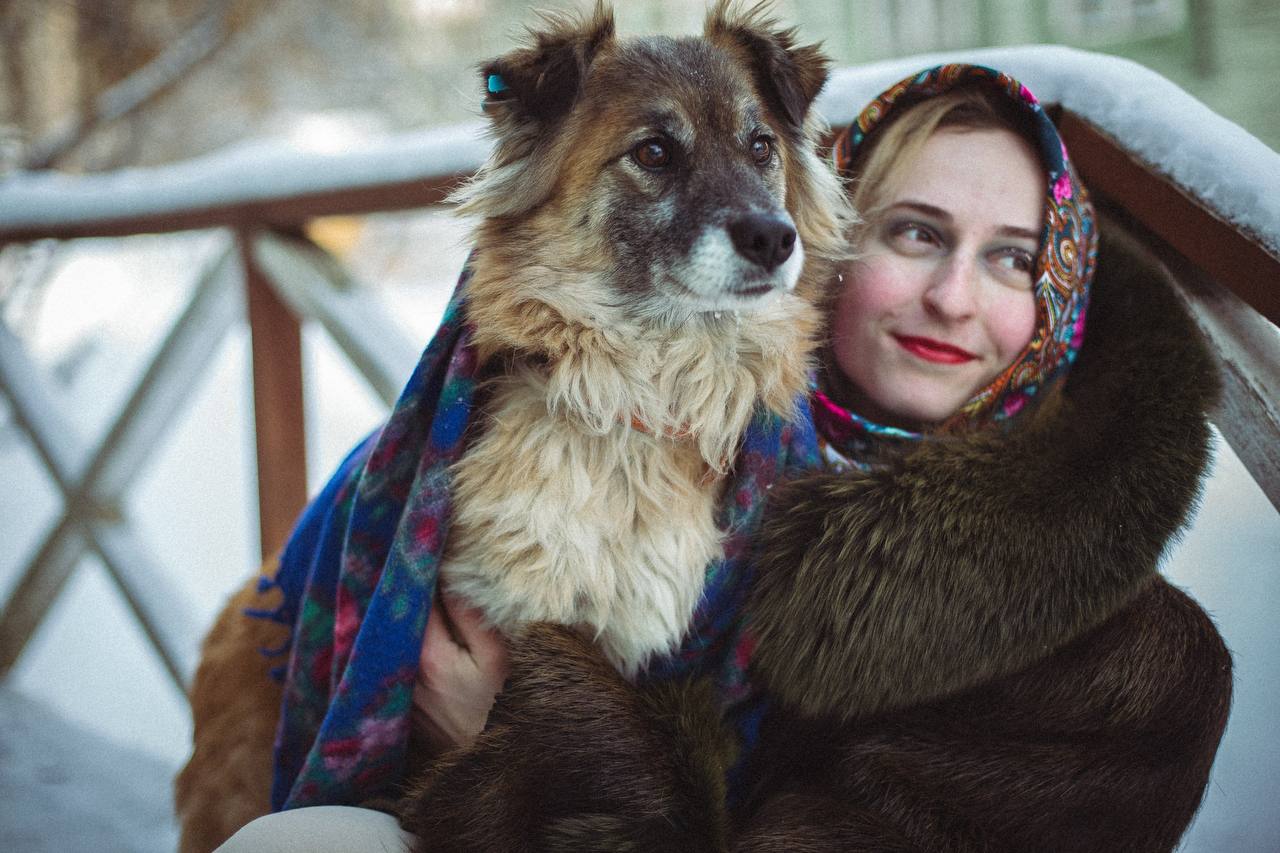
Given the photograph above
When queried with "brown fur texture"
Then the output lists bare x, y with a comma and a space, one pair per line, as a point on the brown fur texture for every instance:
235, 705
1077, 706
1105, 745
643, 770
606, 295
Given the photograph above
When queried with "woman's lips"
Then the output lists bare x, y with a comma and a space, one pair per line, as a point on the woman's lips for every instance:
935, 351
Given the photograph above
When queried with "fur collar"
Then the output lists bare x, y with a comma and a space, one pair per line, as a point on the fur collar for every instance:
973, 557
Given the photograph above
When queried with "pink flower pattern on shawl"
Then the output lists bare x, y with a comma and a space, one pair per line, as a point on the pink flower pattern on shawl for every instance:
1062, 188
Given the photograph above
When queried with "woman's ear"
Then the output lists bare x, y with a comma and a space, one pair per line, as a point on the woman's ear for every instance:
787, 76
539, 83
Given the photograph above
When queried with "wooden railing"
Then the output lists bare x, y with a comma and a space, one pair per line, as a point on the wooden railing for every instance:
1228, 272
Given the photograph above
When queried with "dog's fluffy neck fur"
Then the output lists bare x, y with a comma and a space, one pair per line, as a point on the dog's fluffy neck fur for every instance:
575, 376
699, 379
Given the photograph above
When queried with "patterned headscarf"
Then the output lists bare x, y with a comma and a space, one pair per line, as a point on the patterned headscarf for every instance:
1063, 271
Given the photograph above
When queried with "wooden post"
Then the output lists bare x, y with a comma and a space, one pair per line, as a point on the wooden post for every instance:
277, 405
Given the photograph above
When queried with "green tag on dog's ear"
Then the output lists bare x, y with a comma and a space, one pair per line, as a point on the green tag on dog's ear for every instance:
496, 84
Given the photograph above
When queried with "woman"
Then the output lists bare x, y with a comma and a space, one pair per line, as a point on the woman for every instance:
982, 611
955, 637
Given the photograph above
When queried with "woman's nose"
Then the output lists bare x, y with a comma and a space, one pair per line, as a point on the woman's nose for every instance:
952, 291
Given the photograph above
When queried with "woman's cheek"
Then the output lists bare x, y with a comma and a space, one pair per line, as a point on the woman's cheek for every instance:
876, 286
868, 296
843, 333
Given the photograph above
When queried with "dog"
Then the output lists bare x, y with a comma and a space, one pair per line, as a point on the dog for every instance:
656, 235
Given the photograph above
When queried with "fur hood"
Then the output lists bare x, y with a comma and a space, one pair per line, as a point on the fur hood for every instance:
972, 557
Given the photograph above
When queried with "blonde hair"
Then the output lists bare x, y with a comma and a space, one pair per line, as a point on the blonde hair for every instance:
894, 149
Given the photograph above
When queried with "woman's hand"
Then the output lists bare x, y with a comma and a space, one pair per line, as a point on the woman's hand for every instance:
462, 667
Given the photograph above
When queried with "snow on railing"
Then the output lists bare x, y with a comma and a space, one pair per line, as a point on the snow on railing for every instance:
271, 182
93, 475
1209, 158
1213, 163
1203, 193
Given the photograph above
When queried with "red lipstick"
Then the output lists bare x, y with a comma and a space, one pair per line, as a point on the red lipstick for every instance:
935, 351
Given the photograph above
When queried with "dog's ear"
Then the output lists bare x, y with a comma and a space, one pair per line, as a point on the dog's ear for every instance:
788, 76
539, 83
528, 91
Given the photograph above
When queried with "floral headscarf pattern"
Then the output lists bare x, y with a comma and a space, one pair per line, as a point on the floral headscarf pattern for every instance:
1063, 272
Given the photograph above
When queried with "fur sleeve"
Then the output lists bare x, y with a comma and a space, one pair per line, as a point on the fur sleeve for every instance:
1105, 745
972, 558
575, 758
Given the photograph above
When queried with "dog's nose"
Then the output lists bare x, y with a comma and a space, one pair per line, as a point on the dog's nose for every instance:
762, 238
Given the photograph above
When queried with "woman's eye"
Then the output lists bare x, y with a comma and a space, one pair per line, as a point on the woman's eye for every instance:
914, 235
652, 154
1016, 260
762, 150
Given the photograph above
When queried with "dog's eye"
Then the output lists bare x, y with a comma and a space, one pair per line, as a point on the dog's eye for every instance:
762, 150
652, 154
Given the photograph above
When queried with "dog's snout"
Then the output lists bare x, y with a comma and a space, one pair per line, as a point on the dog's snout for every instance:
763, 238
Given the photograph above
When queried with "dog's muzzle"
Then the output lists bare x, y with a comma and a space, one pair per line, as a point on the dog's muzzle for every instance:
734, 265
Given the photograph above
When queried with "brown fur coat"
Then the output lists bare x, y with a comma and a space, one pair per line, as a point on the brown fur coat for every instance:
970, 650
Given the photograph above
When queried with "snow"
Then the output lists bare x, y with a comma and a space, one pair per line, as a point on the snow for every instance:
64, 788
1230, 171
1234, 174
249, 172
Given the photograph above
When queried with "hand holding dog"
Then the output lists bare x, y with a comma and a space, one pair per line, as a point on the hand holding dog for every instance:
462, 667
628, 768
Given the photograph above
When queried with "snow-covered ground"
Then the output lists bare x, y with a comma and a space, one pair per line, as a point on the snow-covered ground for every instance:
62, 788
194, 507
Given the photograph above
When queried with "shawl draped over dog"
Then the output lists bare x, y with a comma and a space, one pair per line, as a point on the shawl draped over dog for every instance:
359, 572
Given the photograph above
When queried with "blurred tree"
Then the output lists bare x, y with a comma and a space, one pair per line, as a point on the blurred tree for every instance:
96, 84
122, 54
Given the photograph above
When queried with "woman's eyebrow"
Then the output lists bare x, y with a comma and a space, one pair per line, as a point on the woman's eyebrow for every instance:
926, 209
945, 216
1015, 231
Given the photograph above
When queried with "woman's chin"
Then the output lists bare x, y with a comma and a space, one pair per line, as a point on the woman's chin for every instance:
907, 397
915, 404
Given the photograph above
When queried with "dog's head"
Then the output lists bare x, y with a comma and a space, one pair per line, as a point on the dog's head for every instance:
681, 172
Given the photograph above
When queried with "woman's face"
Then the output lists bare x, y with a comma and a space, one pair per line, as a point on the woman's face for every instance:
940, 299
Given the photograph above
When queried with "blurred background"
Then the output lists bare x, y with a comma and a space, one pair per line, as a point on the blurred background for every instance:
255, 67
87, 711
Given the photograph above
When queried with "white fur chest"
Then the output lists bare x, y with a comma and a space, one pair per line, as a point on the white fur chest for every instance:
553, 522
